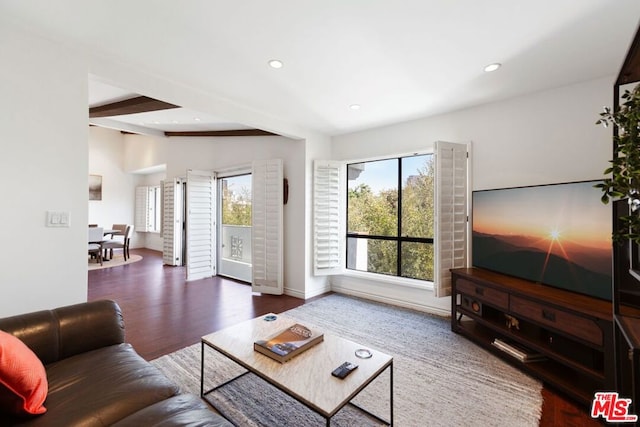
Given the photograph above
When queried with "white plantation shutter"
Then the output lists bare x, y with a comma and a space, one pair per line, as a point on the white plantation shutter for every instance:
141, 220
328, 240
451, 216
171, 223
267, 223
201, 230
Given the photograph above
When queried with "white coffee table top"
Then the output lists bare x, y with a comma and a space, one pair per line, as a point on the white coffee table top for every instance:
307, 376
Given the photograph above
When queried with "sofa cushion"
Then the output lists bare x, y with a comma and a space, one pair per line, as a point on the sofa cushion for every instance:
180, 410
23, 380
101, 387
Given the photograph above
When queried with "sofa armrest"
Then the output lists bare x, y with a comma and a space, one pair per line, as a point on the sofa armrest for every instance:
63, 332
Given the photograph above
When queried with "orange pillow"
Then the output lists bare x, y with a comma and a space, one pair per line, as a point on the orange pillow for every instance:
23, 380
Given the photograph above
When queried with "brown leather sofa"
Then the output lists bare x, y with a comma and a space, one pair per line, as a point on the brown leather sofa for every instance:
95, 378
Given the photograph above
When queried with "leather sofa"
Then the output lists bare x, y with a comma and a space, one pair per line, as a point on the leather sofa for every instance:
94, 377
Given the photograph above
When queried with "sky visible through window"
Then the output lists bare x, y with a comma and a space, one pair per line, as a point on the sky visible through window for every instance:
382, 175
236, 184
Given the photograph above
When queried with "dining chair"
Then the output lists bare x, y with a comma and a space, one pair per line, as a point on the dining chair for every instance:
94, 240
121, 229
110, 245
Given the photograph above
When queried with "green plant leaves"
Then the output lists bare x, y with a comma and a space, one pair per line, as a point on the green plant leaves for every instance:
623, 179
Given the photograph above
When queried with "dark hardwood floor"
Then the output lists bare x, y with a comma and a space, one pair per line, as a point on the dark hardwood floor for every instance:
164, 313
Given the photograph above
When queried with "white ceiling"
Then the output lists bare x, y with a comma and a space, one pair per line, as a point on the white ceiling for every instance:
399, 59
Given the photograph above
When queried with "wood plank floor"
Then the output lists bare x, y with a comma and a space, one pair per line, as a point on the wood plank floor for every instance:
163, 313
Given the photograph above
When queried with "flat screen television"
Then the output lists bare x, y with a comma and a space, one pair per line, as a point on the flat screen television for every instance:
557, 235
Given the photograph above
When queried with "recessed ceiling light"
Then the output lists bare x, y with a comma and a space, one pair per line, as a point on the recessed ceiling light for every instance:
492, 67
354, 106
275, 63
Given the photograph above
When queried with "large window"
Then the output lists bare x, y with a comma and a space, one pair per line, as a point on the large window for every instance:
390, 212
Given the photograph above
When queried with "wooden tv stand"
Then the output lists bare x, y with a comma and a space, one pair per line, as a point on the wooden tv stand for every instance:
572, 333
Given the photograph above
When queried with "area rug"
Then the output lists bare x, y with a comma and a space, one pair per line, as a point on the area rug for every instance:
440, 378
116, 261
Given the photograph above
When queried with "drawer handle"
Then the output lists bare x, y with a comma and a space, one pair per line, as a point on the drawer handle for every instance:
549, 315
480, 291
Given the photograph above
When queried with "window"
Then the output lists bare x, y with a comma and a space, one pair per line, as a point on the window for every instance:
148, 209
390, 217
409, 219
155, 208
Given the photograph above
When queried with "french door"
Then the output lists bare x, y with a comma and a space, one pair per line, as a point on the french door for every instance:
252, 251
235, 230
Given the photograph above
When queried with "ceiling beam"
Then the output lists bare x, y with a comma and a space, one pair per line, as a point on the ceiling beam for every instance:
125, 127
140, 104
240, 132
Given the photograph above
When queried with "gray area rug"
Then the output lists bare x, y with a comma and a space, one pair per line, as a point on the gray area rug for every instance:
440, 379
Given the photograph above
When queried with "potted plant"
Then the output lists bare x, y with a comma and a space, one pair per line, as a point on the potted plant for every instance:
623, 179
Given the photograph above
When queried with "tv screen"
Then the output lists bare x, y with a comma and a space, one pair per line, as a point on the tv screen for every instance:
557, 235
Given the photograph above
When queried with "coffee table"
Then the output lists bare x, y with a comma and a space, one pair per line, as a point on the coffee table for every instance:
306, 377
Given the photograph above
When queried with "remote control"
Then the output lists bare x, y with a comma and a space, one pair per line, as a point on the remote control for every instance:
343, 370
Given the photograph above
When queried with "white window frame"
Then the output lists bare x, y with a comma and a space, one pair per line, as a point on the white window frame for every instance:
148, 209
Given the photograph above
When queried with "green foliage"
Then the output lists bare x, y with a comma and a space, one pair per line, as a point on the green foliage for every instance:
236, 207
377, 214
373, 213
624, 171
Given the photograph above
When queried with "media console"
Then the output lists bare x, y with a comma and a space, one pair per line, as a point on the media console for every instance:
563, 338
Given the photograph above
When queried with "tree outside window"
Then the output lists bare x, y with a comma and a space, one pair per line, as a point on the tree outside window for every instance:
390, 207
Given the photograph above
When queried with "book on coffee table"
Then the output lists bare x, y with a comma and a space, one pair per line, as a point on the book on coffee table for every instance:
288, 343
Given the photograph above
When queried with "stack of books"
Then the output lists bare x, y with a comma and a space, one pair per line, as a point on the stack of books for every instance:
289, 342
518, 351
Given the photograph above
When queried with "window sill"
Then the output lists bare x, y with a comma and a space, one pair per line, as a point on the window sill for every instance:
394, 280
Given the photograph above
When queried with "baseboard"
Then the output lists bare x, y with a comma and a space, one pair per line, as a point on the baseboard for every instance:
392, 301
293, 293
307, 293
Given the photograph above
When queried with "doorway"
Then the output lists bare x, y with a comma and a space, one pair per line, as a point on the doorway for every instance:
235, 231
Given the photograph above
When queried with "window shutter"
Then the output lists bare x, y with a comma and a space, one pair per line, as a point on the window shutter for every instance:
141, 220
171, 224
267, 223
328, 238
451, 216
201, 232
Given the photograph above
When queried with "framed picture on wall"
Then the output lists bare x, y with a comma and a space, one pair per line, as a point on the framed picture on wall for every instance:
95, 187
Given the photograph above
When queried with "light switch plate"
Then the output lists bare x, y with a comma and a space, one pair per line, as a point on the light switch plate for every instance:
58, 219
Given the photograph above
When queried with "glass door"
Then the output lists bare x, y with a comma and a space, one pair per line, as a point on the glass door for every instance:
235, 227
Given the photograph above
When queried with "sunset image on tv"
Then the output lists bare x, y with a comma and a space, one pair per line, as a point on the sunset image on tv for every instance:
558, 235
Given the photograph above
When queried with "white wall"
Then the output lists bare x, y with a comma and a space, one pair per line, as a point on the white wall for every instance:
542, 138
143, 152
106, 158
43, 121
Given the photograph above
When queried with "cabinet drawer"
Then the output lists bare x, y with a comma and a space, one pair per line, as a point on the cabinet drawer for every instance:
560, 320
483, 293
